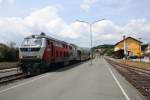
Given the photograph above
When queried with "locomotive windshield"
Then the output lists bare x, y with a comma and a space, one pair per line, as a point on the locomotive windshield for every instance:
32, 42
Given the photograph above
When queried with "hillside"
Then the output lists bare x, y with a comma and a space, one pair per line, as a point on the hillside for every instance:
106, 49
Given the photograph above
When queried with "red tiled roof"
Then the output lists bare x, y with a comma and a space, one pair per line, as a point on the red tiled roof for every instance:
126, 39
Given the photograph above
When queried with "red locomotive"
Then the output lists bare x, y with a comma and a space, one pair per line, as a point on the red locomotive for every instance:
39, 53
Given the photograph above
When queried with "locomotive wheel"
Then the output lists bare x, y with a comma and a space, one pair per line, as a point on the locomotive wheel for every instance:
29, 71
36, 69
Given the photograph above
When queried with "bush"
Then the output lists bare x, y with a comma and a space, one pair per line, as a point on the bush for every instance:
9, 54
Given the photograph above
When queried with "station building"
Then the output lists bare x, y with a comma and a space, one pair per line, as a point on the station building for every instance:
132, 45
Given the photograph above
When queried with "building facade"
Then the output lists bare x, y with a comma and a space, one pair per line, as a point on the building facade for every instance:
129, 46
147, 50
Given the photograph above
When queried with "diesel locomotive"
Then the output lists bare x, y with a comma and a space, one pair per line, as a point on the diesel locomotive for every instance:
40, 53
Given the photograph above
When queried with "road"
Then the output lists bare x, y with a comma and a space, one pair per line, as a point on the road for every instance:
77, 82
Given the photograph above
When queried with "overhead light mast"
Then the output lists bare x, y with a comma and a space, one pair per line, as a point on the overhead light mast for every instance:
91, 34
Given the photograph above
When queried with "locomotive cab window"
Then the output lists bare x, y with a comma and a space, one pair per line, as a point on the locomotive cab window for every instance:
32, 42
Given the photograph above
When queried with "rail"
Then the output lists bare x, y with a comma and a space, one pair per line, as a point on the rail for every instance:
10, 78
138, 77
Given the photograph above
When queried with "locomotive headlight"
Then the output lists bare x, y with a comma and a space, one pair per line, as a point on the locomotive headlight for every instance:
21, 57
38, 56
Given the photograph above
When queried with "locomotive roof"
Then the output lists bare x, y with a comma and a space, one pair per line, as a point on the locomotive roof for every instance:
45, 36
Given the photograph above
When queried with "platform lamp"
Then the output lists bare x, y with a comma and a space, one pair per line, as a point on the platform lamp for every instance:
91, 33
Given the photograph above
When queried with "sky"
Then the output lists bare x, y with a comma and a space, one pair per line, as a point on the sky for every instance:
60, 19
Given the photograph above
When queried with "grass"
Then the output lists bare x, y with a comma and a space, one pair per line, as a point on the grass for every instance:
144, 65
142, 62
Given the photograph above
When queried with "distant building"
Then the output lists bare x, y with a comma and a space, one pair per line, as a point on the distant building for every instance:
98, 50
147, 50
132, 45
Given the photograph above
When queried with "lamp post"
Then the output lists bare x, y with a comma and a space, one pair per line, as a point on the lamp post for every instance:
91, 35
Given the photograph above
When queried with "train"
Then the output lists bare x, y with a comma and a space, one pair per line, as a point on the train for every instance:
41, 53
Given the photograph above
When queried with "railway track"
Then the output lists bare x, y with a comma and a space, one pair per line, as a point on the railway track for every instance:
20, 75
10, 78
138, 77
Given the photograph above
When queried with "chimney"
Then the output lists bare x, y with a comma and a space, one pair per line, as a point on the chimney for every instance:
124, 37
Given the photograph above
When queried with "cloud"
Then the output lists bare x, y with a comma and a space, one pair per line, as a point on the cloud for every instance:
110, 32
87, 5
45, 19
9, 1
48, 20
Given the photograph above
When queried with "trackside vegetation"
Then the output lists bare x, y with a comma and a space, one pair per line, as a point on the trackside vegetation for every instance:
8, 54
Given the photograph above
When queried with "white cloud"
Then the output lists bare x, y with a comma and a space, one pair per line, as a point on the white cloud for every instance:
9, 1
107, 30
48, 21
87, 5
45, 19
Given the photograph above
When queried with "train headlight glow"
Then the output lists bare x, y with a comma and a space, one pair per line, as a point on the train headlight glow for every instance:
38, 56
21, 57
